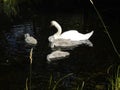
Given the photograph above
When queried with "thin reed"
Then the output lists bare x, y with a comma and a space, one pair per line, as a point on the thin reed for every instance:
26, 84
31, 52
50, 82
54, 88
117, 79
83, 83
114, 47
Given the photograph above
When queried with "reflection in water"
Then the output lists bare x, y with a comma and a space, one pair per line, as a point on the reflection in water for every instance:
68, 44
56, 55
64, 44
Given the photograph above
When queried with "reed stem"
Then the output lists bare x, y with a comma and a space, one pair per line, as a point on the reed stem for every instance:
83, 83
54, 88
114, 47
31, 52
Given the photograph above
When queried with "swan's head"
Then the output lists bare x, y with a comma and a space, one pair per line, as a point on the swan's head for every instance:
53, 23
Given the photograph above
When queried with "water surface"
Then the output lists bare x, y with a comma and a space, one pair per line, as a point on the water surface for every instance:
86, 63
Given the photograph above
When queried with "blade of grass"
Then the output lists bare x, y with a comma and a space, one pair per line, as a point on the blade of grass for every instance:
61, 80
50, 82
83, 83
26, 86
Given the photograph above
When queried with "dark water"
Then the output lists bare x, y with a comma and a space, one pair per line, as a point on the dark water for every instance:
88, 64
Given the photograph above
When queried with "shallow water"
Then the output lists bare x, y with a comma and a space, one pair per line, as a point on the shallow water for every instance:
84, 63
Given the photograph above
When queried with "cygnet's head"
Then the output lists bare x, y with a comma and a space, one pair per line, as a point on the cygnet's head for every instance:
27, 35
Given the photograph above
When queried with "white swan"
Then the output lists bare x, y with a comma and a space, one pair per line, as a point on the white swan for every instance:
73, 35
30, 40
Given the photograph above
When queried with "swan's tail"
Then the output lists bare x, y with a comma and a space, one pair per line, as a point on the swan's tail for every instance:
88, 35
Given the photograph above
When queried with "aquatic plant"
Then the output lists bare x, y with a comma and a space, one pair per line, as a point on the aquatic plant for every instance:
117, 79
30, 72
53, 87
53, 84
115, 82
114, 79
31, 52
26, 84
50, 82
83, 83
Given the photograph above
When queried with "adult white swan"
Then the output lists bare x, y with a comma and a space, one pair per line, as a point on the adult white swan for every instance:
30, 40
73, 35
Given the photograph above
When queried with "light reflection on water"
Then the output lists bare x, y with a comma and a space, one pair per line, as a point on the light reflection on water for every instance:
82, 60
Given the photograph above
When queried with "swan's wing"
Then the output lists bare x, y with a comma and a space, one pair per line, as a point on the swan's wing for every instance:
70, 32
72, 35
75, 35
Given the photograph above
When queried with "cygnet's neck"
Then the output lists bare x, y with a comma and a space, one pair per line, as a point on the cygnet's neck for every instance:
58, 27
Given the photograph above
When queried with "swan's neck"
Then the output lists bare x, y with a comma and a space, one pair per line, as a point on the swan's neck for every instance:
58, 33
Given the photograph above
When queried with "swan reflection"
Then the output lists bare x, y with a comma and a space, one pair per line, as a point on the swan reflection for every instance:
68, 44
57, 55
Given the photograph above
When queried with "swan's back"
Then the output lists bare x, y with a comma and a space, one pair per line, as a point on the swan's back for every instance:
75, 35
